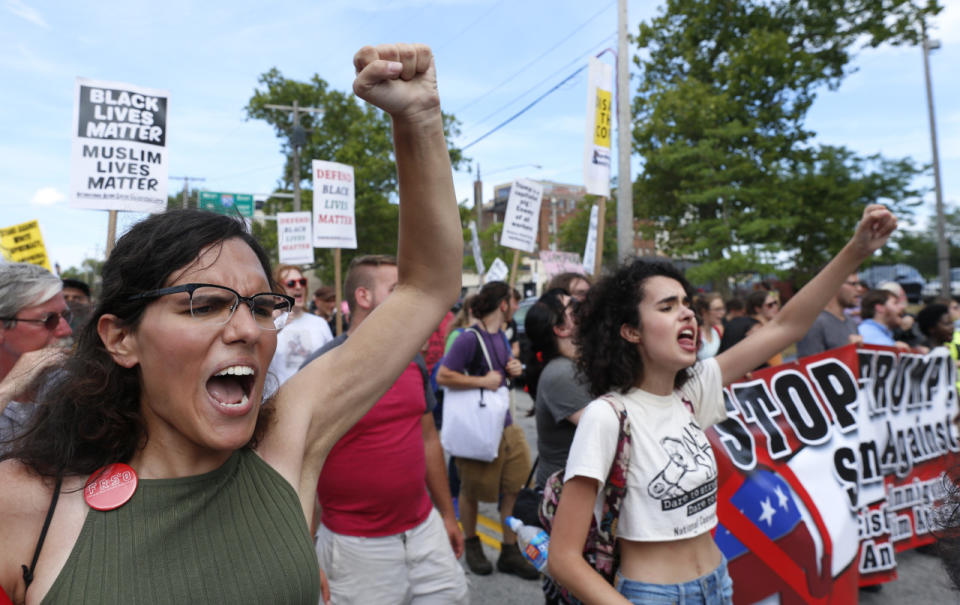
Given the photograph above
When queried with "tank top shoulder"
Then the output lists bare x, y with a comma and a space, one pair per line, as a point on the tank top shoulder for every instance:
234, 535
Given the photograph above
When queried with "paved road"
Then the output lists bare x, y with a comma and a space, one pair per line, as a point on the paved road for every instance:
921, 577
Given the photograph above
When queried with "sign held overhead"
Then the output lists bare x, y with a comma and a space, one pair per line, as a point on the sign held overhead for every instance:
334, 206
523, 216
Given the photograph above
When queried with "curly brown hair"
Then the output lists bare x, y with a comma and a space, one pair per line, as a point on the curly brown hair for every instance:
90, 413
607, 362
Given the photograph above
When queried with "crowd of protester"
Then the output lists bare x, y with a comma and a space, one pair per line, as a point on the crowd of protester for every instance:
203, 408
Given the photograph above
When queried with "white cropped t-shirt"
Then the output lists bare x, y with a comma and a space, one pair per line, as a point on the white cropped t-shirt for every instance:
672, 477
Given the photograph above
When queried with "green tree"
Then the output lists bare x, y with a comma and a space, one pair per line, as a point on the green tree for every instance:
89, 272
349, 132
731, 179
572, 236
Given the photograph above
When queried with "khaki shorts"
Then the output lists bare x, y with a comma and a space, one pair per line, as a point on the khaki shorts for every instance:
505, 474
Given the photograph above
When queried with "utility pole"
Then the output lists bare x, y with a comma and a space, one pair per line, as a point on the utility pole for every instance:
624, 137
185, 196
478, 199
943, 253
298, 136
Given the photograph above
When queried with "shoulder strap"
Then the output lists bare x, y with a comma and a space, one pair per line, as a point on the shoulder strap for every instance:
615, 488
483, 347
28, 573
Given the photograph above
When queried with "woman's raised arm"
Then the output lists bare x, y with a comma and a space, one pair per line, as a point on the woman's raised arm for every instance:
320, 403
793, 321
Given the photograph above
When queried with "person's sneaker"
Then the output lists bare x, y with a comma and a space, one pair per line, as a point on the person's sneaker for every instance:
511, 561
476, 560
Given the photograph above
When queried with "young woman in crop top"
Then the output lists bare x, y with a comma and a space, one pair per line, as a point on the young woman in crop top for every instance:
638, 342
168, 377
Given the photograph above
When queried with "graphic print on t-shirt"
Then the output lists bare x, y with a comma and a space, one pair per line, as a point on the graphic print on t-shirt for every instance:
690, 475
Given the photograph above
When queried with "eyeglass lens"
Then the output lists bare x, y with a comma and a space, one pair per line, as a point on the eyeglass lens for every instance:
218, 304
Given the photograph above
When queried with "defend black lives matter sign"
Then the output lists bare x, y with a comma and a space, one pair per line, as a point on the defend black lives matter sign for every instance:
119, 158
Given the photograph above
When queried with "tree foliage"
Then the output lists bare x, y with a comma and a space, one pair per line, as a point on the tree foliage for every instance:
347, 131
731, 179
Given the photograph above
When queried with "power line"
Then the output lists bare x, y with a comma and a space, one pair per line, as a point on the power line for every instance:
564, 67
468, 27
545, 53
524, 110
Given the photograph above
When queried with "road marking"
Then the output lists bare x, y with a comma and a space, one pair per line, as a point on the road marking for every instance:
485, 527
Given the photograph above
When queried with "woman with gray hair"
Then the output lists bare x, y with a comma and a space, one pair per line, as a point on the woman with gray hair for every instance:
33, 320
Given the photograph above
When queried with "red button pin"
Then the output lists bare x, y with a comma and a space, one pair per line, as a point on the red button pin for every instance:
110, 487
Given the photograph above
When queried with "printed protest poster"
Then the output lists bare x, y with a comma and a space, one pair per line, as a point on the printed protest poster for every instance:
590, 250
522, 218
828, 467
23, 243
475, 245
334, 206
555, 262
498, 271
119, 157
596, 148
294, 240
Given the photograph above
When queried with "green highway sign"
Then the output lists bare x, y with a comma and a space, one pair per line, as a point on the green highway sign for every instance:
227, 203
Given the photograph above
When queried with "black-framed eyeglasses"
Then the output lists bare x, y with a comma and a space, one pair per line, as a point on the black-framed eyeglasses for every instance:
215, 304
50, 321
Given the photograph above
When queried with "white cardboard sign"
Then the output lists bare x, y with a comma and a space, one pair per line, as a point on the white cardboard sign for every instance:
590, 251
294, 239
334, 206
498, 271
522, 218
119, 154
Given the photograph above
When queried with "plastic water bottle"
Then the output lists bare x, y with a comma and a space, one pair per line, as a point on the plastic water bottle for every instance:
533, 543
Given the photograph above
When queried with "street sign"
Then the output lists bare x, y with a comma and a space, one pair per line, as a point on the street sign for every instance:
227, 203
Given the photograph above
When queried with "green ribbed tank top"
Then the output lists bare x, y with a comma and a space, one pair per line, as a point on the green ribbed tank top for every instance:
234, 535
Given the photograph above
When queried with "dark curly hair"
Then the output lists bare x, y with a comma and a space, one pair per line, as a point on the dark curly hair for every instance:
489, 298
545, 314
607, 362
90, 413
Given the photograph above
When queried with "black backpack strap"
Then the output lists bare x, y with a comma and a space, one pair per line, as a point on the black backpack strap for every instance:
28, 573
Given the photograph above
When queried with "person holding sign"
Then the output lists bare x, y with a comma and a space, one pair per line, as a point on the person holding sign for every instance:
638, 343
154, 475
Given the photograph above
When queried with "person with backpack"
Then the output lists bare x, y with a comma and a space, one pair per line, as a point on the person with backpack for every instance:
638, 350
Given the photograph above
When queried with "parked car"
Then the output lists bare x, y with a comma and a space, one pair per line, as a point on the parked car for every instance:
908, 277
932, 287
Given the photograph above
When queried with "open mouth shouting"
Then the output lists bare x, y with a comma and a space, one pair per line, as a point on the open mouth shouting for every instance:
688, 339
230, 389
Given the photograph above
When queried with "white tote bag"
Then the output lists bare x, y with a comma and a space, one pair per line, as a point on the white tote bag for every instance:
473, 419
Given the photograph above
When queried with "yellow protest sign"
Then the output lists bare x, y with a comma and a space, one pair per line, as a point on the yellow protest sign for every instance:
23, 243
601, 123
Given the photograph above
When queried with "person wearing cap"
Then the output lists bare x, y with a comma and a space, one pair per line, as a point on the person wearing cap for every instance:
325, 301
76, 293
34, 318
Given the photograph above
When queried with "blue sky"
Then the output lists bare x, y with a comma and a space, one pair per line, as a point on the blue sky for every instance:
493, 57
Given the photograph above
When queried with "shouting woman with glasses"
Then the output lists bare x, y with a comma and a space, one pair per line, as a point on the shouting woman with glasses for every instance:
154, 474
303, 334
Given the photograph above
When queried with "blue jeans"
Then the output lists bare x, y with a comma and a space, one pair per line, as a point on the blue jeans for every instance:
715, 588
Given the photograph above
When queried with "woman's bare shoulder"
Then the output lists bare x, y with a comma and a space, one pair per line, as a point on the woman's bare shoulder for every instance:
24, 500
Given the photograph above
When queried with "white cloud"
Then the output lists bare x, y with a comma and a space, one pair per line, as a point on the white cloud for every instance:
47, 196
18, 8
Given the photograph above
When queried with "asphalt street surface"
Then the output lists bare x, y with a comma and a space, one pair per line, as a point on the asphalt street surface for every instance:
921, 577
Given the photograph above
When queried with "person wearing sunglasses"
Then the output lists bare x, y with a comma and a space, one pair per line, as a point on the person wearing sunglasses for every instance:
34, 320
303, 333
763, 306
208, 494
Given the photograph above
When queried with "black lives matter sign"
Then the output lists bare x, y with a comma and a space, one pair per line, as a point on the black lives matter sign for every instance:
119, 147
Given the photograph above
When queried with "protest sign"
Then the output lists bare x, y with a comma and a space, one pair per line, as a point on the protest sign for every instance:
119, 154
498, 271
827, 467
334, 223
523, 216
590, 250
596, 148
23, 243
555, 263
294, 240
475, 244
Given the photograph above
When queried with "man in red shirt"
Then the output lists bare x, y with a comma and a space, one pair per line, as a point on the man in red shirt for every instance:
380, 538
